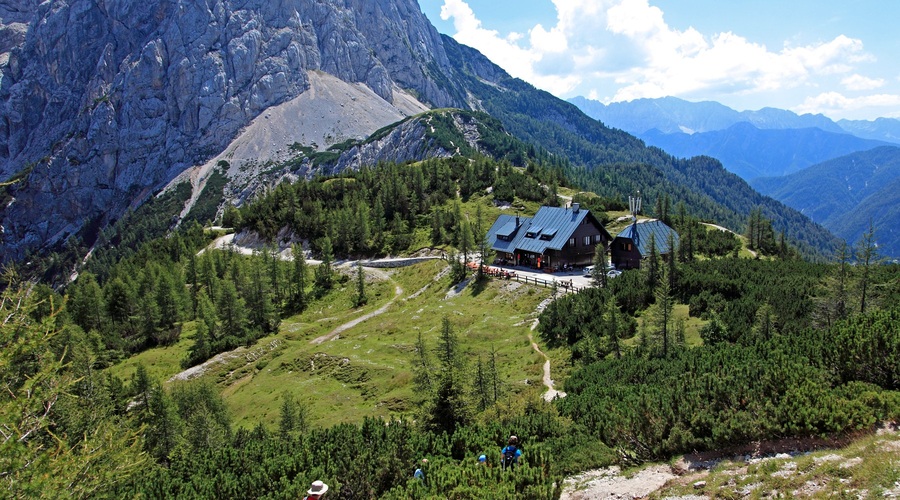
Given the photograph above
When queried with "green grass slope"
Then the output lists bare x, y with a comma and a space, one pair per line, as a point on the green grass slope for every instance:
367, 370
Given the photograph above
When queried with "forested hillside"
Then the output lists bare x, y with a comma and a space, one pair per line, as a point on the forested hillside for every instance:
776, 347
846, 194
752, 152
613, 163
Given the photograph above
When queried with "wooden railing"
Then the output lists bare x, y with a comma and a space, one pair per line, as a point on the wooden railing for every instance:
563, 285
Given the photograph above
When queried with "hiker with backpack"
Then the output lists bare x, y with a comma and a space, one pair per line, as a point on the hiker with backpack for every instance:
511, 453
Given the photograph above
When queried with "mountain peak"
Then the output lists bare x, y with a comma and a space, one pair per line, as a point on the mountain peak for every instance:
105, 102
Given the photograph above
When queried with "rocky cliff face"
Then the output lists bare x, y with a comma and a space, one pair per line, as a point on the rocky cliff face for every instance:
104, 101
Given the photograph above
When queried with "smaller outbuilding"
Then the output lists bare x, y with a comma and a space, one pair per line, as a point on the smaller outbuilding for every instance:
633, 244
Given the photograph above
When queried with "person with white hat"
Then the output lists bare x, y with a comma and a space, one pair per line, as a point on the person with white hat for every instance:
316, 491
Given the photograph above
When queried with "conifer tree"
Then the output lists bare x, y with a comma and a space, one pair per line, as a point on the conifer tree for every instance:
422, 368
168, 301
120, 305
362, 229
324, 277
672, 268
612, 326
200, 350
206, 421
148, 311
206, 314
275, 276
601, 263
437, 227
164, 425
494, 376
293, 418
652, 264
450, 408
481, 387
298, 279
465, 239
361, 298
232, 312
764, 327
85, 302
38, 456
262, 315
552, 199
662, 314
866, 256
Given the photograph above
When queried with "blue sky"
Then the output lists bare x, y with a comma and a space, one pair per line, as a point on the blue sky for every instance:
838, 58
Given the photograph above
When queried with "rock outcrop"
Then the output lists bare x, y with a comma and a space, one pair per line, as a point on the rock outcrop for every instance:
103, 102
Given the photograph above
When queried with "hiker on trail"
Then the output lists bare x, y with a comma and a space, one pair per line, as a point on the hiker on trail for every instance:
419, 473
482, 460
316, 491
511, 453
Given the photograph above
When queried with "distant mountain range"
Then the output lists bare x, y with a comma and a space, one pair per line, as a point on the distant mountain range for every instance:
844, 194
752, 152
671, 115
763, 143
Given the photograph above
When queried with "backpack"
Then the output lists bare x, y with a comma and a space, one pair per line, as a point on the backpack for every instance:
509, 456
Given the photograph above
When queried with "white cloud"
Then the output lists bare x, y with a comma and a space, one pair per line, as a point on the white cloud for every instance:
624, 49
506, 51
835, 103
859, 82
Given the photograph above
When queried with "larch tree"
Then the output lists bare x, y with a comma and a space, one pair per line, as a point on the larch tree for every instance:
298, 279
601, 263
866, 256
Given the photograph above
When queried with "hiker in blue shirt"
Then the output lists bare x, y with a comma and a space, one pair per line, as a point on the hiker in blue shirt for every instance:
511, 453
420, 473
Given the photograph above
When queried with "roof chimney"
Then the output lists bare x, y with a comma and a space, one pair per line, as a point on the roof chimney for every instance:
576, 207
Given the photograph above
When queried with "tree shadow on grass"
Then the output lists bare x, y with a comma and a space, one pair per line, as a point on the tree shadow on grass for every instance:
478, 285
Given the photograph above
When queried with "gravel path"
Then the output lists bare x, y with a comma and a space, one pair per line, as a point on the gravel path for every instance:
333, 334
610, 483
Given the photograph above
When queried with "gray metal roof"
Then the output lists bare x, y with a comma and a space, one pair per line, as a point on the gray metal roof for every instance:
640, 232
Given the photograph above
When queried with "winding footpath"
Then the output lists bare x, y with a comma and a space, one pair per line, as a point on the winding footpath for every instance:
551, 393
333, 334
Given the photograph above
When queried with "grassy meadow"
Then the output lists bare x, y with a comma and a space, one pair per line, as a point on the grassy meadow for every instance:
366, 370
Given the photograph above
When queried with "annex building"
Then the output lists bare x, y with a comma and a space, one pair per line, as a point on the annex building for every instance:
633, 243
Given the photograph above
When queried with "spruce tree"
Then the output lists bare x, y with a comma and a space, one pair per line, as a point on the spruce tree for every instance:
324, 277
361, 298
450, 408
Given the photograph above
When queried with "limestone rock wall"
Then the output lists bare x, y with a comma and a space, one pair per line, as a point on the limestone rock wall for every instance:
104, 101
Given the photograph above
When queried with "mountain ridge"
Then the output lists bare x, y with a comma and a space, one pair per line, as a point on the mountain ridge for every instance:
846, 193
180, 96
674, 115
111, 100
752, 152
